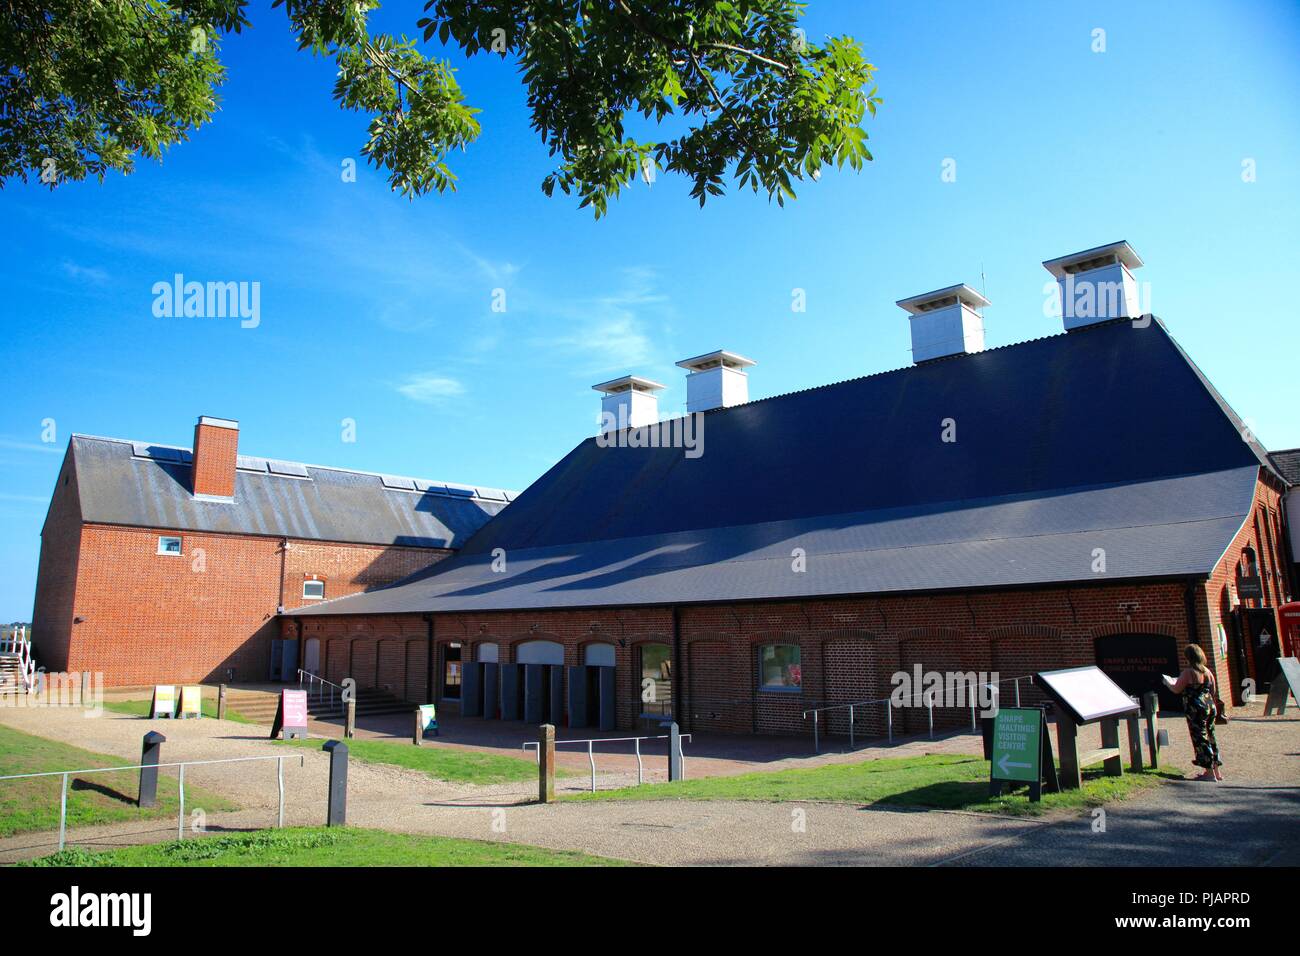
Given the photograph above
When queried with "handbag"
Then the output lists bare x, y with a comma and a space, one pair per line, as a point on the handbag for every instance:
1220, 709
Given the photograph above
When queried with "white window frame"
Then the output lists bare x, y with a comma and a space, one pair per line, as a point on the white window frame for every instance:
180, 544
313, 597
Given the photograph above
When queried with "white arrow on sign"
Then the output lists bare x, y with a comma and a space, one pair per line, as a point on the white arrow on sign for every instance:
1004, 764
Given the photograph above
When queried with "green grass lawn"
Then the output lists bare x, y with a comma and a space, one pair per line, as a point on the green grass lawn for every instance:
33, 804
319, 846
940, 781
140, 708
441, 763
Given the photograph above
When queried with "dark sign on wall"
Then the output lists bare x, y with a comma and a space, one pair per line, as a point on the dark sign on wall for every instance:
1136, 661
1250, 588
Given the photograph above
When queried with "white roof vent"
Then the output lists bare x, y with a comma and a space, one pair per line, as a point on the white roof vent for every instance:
1097, 285
628, 402
716, 380
946, 322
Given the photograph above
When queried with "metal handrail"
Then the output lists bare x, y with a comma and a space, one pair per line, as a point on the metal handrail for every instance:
180, 817
314, 679
889, 711
591, 756
20, 643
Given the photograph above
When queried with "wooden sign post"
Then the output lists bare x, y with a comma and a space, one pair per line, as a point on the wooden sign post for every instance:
290, 715
1021, 752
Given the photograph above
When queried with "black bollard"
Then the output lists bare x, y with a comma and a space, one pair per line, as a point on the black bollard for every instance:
150, 755
674, 752
337, 815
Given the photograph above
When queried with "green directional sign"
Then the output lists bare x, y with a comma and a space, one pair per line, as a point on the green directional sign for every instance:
1017, 744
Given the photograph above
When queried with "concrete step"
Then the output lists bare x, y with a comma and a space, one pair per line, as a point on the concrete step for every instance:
261, 705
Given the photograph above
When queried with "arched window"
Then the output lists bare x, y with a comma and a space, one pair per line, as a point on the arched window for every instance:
486, 652
779, 667
539, 652
598, 655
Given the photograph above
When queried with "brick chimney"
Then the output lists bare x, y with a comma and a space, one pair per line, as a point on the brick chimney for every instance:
216, 443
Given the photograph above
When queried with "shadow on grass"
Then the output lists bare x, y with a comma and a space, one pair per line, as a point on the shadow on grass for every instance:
103, 790
975, 796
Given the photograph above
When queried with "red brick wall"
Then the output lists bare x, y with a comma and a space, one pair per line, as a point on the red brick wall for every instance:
152, 618
56, 578
865, 640
349, 568
1216, 598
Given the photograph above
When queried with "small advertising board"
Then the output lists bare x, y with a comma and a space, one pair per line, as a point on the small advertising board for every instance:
164, 701
429, 719
1021, 751
1286, 682
191, 702
291, 715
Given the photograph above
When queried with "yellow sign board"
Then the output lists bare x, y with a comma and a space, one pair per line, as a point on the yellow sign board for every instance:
191, 701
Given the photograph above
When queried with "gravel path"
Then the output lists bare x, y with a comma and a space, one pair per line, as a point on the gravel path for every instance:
1245, 820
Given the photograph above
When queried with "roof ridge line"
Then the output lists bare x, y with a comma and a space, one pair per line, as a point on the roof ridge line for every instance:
305, 464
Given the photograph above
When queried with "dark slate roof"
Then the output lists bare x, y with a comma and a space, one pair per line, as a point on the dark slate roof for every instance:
1287, 463
147, 485
1106, 437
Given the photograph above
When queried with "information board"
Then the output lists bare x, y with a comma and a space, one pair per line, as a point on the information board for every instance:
291, 714
1017, 744
191, 701
164, 701
1086, 693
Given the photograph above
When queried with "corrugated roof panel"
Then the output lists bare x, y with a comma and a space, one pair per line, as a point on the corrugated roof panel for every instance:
437, 487
250, 464
1050, 462
398, 482
1027, 419
1164, 528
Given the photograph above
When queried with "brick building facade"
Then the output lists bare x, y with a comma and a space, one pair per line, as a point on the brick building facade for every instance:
1083, 498
163, 565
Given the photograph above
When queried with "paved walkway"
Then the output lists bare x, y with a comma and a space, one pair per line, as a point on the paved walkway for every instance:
1251, 819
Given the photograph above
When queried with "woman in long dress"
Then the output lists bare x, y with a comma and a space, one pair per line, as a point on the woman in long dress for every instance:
1196, 685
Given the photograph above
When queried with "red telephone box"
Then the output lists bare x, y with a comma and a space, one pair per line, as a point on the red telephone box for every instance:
1288, 616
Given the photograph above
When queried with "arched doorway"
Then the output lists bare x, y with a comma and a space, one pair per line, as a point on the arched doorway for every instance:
542, 663
311, 656
1136, 662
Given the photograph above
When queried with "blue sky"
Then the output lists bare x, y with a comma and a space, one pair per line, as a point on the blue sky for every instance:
378, 309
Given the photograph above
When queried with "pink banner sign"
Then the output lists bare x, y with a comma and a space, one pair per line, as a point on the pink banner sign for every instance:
294, 703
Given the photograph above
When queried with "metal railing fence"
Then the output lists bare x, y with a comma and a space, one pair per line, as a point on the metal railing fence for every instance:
318, 685
180, 816
929, 704
591, 755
